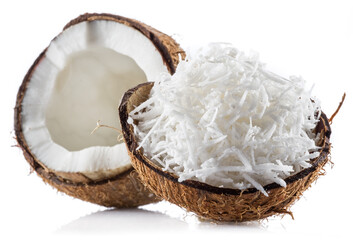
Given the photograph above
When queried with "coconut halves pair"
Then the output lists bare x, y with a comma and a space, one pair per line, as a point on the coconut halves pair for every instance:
98, 61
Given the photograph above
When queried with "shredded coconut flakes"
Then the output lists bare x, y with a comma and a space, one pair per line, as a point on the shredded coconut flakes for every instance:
224, 120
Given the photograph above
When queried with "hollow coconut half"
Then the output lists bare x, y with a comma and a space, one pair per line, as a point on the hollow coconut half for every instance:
221, 204
79, 79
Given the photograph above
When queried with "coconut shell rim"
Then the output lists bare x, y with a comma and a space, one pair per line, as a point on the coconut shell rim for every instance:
139, 26
131, 143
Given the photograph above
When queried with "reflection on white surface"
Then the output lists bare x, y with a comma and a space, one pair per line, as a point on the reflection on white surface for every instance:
122, 221
161, 218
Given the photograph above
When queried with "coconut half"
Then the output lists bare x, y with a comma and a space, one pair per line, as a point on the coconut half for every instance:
79, 79
221, 204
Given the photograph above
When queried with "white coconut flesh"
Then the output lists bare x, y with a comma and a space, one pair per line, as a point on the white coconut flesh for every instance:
225, 120
81, 80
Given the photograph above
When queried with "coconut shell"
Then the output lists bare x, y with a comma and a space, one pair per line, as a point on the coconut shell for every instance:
121, 188
221, 204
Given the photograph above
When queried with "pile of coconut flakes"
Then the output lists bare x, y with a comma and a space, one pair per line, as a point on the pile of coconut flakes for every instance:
224, 120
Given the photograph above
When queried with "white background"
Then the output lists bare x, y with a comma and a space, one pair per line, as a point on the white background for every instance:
309, 38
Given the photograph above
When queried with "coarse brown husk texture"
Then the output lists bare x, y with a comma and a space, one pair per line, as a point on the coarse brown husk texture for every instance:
221, 204
120, 190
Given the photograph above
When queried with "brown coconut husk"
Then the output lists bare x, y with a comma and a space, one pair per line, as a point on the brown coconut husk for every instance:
122, 187
221, 204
